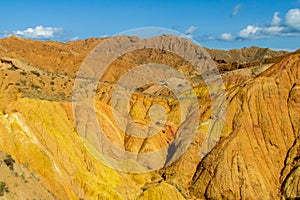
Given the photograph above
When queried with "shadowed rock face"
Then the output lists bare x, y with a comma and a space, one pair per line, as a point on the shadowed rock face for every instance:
290, 174
257, 156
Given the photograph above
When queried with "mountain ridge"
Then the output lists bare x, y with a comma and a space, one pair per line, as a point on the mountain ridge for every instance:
256, 157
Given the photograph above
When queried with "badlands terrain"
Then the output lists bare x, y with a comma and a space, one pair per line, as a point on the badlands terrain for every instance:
42, 155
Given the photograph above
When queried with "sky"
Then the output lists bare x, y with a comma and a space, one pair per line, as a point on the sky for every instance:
222, 24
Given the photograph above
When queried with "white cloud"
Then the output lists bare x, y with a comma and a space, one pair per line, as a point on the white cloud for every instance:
249, 31
257, 32
284, 49
211, 38
226, 36
236, 9
39, 32
190, 31
74, 38
273, 30
289, 27
104, 36
276, 19
292, 18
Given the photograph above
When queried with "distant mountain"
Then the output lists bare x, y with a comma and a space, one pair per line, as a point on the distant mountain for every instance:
246, 57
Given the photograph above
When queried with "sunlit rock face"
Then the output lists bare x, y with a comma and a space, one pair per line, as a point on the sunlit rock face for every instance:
257, 156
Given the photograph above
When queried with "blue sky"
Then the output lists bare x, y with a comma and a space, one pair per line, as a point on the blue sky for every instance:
221, 24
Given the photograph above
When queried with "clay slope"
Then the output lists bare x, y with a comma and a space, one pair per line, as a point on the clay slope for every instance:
51, 56
16, 182
256, 158
66, 57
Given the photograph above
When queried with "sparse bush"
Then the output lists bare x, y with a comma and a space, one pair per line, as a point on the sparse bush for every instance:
52, 83
35, 86
12, 68
35, 73
2, 188
9, 161
23, 73
23, 82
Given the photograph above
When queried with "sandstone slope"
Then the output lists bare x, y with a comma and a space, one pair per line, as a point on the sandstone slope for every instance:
262, 125
256, 158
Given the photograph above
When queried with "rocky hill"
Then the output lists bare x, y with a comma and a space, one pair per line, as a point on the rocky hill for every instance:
257, 156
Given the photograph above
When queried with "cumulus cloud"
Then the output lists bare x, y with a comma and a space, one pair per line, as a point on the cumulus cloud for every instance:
249, 31
226, 36
258, 32
292, 18
236, 10
39, 32
276, 19
190, 31
289, 27
274, 30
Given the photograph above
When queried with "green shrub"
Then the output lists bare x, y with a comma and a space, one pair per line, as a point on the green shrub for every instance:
2, 188
23, 73
35, 73
35, 86
12, 68
23, 82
